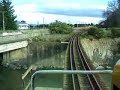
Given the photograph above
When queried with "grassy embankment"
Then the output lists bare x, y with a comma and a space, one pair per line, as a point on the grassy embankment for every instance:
53, 37
102, 46
103, 49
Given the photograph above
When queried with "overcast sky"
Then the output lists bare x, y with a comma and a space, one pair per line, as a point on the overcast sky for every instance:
69, 11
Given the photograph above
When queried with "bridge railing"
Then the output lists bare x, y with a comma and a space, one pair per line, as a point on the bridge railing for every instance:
115, 83
67, 72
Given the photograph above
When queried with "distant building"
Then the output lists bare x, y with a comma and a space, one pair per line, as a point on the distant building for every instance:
22, 25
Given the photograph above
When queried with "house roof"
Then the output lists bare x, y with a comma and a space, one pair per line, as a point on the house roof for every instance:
20, 22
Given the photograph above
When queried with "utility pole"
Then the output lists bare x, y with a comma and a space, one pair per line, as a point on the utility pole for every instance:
3, 20
43, 22
3, 13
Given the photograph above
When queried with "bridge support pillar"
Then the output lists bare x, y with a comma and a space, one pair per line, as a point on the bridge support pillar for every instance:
1, 58
6, 56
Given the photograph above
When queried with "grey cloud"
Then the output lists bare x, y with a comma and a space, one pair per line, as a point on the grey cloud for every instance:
73, 12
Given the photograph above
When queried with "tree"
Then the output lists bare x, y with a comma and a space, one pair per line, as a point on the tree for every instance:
112, 14
10, 22
98, 32
58, 27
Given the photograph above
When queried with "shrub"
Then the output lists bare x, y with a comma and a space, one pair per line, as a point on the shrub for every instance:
119, 47
58, 27
115, 32
92, 31
98, 32
103, 33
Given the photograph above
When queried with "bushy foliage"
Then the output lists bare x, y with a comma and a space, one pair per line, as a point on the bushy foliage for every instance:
9, 17
103, 33
92, 31
98, 32
112, 14
115, 32
58, 27
52, 38
119, 47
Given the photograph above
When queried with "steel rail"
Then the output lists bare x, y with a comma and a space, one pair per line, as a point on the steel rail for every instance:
92, 79
83, 62
71, 63
78, 80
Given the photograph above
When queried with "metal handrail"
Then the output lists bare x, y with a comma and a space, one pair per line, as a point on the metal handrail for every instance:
67, 72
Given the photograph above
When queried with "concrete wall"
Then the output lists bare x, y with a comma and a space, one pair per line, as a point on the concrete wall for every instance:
14, 56
13, 46
13, 52
101, 52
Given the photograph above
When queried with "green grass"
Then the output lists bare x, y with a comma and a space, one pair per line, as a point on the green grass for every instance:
27, 31
42, 31
52, 38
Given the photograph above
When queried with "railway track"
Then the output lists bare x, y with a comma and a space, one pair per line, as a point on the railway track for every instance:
79, 62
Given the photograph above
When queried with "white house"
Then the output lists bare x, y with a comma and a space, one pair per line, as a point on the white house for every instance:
23, 25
